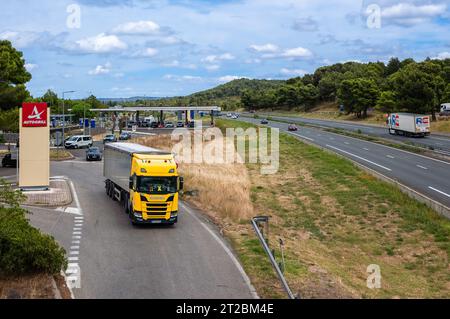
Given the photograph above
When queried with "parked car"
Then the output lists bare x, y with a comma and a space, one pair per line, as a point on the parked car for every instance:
264, 121
124, 136
234, 117
79, 141
229, 115
292, 128
110, 138
93, 154
8, 161
191, 124
154, 124
169, 125
180, 124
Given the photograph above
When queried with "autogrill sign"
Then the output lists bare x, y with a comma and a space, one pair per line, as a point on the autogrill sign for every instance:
34, 115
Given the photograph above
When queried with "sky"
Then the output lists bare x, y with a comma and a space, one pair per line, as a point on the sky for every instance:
158, 48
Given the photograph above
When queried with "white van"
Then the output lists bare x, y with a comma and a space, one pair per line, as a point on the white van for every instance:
79, 141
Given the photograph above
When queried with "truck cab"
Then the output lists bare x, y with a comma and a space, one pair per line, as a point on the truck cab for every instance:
144, 180
154, 189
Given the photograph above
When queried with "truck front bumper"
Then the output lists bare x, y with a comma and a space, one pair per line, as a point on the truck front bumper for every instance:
155, 221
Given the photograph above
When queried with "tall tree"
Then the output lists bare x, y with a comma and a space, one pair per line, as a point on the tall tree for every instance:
358, 95
13, 76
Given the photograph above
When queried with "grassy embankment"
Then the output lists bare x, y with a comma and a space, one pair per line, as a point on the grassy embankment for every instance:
329, 111
335, 220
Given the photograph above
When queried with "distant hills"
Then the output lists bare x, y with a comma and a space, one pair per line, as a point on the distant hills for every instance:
128, 99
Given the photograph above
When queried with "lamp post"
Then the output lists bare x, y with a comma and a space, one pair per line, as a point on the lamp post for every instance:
64, 117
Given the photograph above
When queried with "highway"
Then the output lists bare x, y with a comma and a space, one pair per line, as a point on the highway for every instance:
425, 175
117, 260
439, 143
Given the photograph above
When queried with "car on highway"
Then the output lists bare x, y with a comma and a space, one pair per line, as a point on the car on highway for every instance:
234, 117
180, 124
229, 115
169, 125
125, 136
110, 138
292, 128
79, 141
93, 154
154, 125
8, 161
264, 121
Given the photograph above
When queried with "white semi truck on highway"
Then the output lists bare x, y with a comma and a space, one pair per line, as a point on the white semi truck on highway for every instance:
144, 180
409, 124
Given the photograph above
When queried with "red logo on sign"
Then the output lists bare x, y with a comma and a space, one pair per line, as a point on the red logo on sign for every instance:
34, 115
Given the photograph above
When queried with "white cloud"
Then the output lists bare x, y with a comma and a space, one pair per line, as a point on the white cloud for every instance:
229, 78
292, 54
293, 72
297, 53
145, 53
213, 67
137, 28
408, 14
20, 40
182, 78
101, 43
442, 56
101, 69
265, 48
218, 58
30, 66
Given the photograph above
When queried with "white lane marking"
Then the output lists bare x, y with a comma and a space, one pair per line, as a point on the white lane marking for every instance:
227, 250
306, 138
390, 156
394, 149
74, 247
73, 258
76, 228
74, 253
77, 233
75, 242
366, 149
422, 167
76, 237
361, 158
440, 192
346, 143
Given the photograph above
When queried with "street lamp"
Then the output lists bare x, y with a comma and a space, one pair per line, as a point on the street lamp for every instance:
64, 117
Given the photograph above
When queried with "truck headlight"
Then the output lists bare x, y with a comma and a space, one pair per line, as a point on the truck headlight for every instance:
137, 214
173, 214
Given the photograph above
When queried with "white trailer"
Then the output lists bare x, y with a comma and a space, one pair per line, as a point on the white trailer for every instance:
409, 124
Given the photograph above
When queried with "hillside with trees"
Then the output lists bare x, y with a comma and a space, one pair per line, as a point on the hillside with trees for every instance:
407, 86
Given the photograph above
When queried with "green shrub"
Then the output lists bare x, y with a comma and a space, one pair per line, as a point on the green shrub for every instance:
23, 248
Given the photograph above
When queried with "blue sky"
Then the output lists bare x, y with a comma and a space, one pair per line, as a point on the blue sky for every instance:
123, 48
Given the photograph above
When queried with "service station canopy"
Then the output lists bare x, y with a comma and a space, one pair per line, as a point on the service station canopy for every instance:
158, 109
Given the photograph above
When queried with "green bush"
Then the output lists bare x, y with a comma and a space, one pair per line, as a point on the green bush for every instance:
23, 248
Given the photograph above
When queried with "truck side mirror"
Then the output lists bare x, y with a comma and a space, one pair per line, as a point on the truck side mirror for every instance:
181, 183
131, 182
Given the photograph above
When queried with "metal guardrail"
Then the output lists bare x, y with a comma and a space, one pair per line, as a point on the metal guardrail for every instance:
271, 257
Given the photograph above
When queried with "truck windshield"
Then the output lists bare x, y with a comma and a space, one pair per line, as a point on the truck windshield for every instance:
157, 185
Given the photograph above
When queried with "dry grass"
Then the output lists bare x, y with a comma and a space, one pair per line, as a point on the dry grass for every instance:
60, 155
27, 287
222, 191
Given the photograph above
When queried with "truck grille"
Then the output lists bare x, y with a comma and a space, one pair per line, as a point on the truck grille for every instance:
156, 209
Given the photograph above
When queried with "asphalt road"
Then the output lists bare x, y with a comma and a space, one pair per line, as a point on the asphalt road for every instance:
426, 175
117, 260
438, 143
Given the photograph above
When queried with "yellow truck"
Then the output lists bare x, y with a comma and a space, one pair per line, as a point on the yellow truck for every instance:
144, 181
